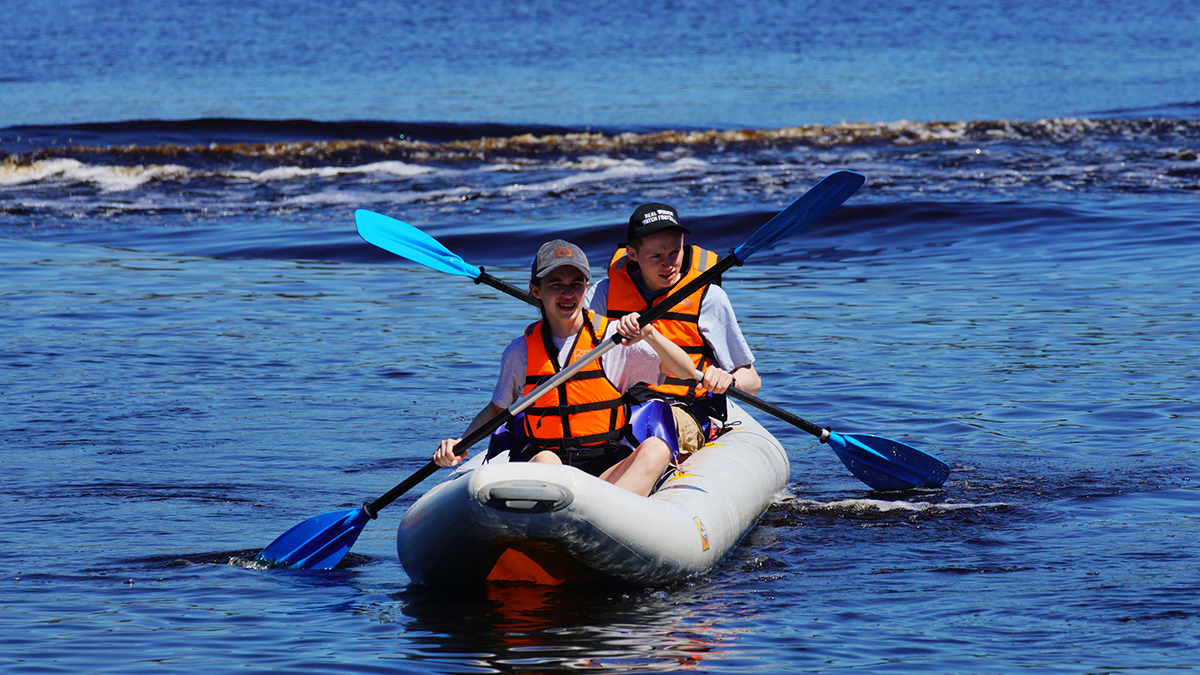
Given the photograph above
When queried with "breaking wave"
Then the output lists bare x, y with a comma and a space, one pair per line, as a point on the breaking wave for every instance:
524, 175
399, 151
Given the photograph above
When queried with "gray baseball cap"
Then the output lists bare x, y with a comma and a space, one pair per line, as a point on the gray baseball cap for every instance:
554, 254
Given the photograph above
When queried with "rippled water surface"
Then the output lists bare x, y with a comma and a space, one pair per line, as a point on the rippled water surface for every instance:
173, 413
197, 351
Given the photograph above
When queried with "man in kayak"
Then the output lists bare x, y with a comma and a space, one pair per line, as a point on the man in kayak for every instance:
653, 262
585, 422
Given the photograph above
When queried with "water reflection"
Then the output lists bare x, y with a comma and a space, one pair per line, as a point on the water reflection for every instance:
524, 628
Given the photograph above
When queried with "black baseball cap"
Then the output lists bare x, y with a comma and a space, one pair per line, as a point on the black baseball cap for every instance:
653, 217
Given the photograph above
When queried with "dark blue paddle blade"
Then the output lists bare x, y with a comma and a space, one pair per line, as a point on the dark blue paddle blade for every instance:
654, 418
809, 209
885, 464
318, 543
406, 241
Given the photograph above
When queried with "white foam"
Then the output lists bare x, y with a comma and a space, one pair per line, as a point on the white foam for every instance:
884, 506
293, 172
115, 178
600, 162
109, 178
596, 170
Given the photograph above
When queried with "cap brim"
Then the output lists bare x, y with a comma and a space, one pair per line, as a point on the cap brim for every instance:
564, 263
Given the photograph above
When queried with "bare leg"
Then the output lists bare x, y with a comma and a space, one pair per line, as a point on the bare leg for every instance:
639, 471
546, 457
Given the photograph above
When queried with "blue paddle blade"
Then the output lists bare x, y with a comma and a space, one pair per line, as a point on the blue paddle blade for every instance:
407, 241
318, 543
809, 209
885, 464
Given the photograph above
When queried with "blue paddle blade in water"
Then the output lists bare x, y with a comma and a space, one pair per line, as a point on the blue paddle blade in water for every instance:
318, 543
406, 241
885, 464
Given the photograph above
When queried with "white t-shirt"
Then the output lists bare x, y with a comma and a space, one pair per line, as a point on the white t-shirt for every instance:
717, 322
624, 366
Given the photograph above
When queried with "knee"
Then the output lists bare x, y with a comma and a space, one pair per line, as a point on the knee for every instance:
655, 451
546, 457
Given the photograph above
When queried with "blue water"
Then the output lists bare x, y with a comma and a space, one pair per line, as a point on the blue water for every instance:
695, 63
197, 351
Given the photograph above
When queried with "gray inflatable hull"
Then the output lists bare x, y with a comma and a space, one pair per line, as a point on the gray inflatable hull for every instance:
521, 522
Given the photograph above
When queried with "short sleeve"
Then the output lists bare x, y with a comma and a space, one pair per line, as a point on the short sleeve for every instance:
511, 382
720, 328
596, 298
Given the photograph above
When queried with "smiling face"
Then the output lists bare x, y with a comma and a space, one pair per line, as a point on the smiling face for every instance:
561, 292
660, 256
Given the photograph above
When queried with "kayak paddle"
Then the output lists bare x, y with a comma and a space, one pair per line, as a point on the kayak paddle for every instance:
322, 541
881, 463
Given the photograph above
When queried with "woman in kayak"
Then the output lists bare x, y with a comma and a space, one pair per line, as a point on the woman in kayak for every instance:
584, 422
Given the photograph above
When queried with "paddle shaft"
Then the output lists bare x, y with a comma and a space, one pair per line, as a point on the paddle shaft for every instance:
653, 314
505, 287
772, 409
745, 397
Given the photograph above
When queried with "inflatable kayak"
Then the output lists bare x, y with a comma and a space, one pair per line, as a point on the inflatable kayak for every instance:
503, 521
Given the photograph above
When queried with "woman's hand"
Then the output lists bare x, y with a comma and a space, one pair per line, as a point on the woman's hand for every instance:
444, 455
629, 329
675, 362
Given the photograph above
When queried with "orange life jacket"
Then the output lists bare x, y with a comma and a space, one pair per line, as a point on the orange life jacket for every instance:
587, 409
679, 325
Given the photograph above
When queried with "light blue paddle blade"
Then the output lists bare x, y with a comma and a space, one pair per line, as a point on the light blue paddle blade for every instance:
812, 206
885, 464
318, 543
407, 241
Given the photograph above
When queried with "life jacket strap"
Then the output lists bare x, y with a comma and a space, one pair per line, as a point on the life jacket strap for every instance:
570, 409
537, 380
577, 441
